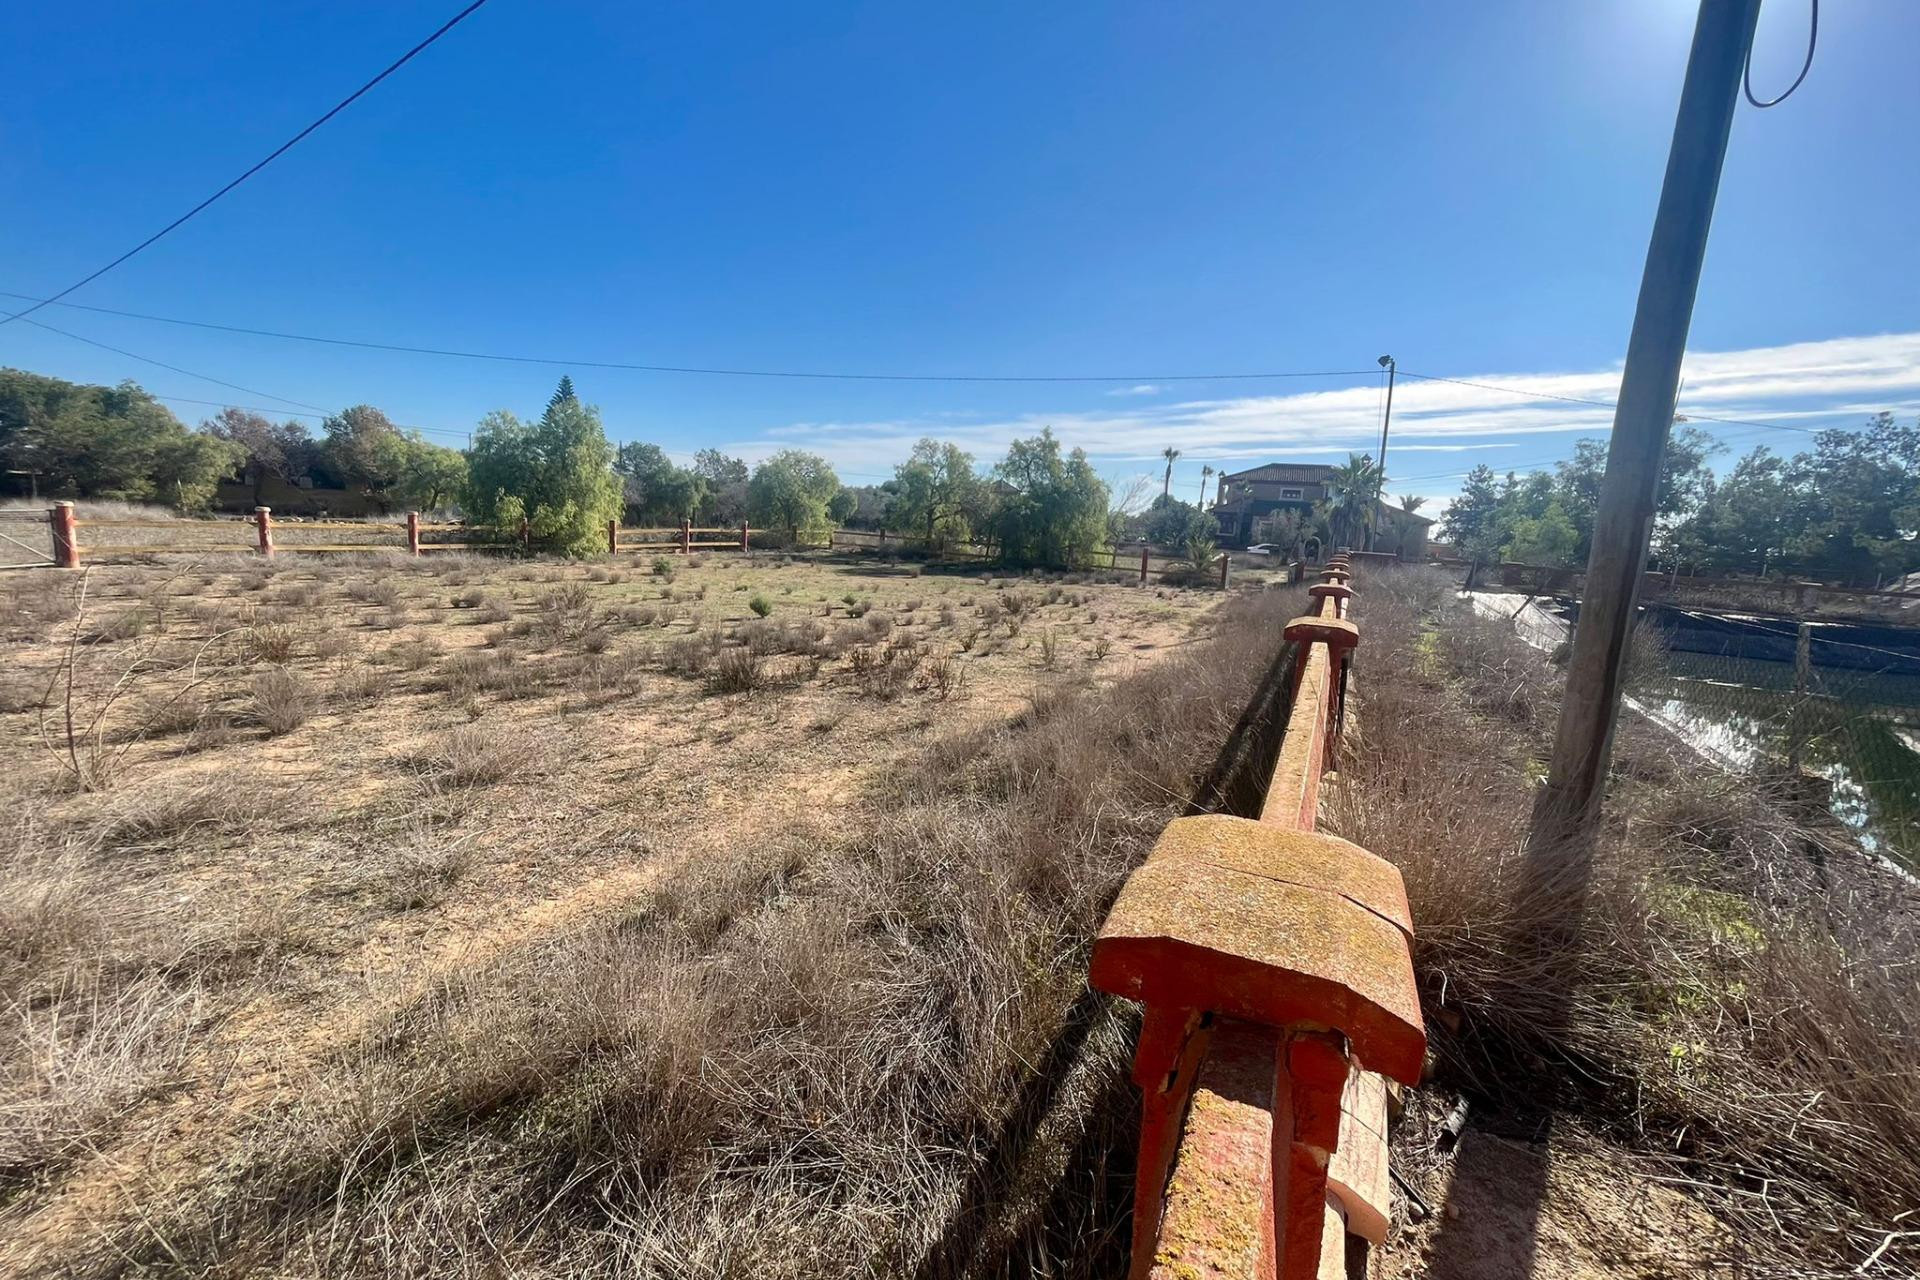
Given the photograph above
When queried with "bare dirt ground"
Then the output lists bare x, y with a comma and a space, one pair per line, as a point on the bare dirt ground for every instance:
284, 800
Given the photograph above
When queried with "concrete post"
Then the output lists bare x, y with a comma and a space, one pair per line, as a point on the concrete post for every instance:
413, 533
263, 529
686, 536
1225, 558
743, 537
613, 537
66, 541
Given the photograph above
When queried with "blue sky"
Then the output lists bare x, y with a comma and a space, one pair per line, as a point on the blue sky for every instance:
1078, 189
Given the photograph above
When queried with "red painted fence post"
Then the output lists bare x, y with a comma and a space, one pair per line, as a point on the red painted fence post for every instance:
1143, 566
66, 542
613, 537
263, 526
413, 533
526, 532
686, 536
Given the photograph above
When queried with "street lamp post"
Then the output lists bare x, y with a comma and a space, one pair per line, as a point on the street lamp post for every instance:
1380, 464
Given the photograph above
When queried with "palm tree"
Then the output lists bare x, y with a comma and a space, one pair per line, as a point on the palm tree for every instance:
1351, 490
1411, 502
1166, 485
1206, 474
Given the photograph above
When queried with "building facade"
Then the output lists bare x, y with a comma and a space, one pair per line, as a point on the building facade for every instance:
1248, 497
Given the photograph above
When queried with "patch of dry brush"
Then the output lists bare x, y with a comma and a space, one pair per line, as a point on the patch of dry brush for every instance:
866, 1049
1742, 998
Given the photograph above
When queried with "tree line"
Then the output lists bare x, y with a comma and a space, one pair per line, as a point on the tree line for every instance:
555, 480
1845, 510
119, 442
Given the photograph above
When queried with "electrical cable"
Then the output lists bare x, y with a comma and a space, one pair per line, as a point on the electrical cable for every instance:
277, 152
404, 349
1746, 75
134, 355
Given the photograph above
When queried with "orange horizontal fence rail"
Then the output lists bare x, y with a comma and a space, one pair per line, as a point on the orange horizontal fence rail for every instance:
1275, 968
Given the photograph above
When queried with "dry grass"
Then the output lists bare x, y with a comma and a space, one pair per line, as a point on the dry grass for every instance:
860, 1048
475, 755
282, 701
1740, 997
454, 807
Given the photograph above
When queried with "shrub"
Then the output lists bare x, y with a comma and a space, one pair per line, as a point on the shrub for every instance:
380, 591
473, 755
760, 604
662, 567
947, 677
689, 655
738, 670
361, 684
281, 701
415, 653
1049, 648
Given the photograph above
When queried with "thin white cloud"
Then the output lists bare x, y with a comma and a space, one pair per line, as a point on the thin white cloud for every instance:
1144, 389
1834, 379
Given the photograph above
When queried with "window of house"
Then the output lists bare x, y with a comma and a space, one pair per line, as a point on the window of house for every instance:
1289, 493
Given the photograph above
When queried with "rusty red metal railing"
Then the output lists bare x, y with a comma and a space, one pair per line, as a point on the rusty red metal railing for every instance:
1274, 966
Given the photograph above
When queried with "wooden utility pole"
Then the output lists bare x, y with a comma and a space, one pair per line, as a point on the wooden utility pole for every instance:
1380, 469
1569, 806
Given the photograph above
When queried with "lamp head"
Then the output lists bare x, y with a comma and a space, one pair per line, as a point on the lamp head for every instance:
1385, 361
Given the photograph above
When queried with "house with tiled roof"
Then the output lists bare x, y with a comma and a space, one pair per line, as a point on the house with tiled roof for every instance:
1248, 497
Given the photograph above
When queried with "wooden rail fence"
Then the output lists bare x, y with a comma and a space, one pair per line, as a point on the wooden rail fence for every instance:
1275, 968
66, 546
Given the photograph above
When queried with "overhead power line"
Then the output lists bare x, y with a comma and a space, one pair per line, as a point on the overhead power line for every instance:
1689, 414
576, 363
275, 154
162, 364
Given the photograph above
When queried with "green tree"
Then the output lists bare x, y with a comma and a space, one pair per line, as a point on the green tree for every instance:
106, 442
936, 494
842, 506
270, 450
1472, 520
1685, 479
1172, 455
556, 473
1052, 508
654, 490
1546, 539
366, 452
794, 490
1856, 510
1167, 521
726, 477
431, 475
